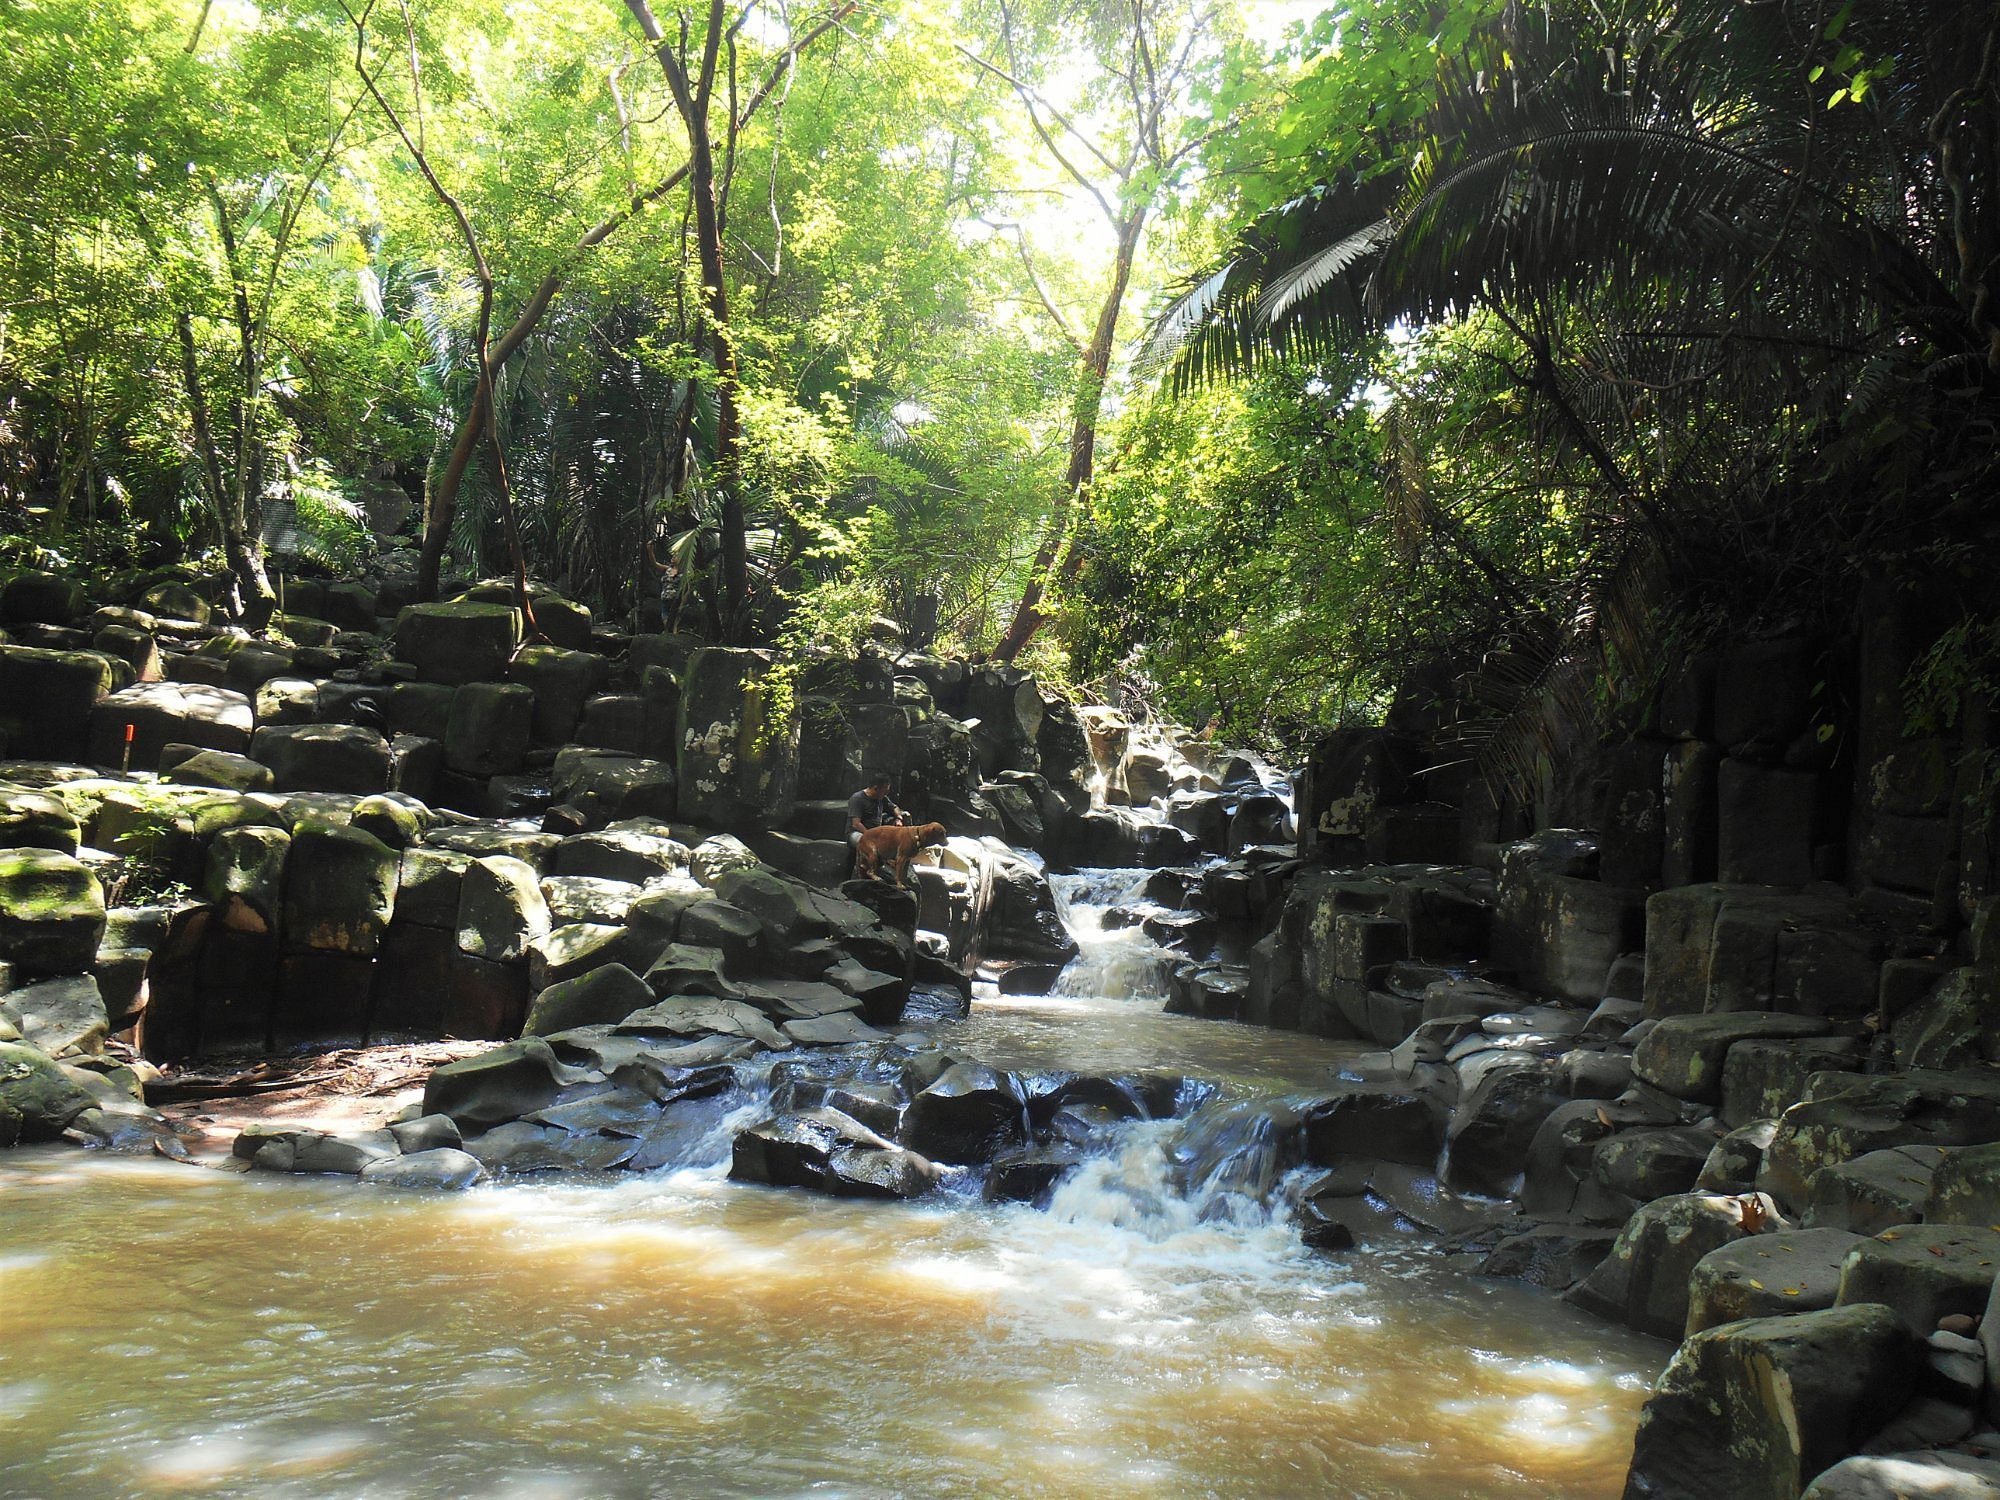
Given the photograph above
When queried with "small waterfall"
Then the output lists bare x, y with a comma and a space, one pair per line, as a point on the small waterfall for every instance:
1223, 1165
1118, 962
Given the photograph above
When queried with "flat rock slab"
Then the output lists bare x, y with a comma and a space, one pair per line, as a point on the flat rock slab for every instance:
1684, 1055
1768, 1275
1924, 1271
1873, 1192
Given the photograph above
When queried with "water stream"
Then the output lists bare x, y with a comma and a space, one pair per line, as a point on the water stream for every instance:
1155, 1331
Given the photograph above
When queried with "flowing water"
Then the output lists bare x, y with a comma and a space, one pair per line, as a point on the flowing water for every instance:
167, 1330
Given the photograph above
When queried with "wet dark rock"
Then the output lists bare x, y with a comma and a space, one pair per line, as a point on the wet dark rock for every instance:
1492, 1126
1028, 1175
1553, 1256
1381, 1122
521, 1147
1029, 979
828, 1152
967, 1115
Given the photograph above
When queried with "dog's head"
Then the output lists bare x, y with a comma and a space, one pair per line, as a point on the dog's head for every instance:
929, 834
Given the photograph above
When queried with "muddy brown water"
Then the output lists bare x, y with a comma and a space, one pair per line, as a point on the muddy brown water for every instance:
171, 1330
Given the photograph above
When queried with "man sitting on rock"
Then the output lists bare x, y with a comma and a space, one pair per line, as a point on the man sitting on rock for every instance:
871, 808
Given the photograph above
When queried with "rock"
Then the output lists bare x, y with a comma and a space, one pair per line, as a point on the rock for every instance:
159, 714
1023, 922
738, 763
37, 1100
700, 1015
425, 1133
501, 911
444, 1169
430, 888
1873, 1192
1965, 1188
325, 758
1908, 1476
1761, 1079
523, 1146
1486, 1143
716, 857
1768, 1275
1647, 1164
609, 788
1923, 1272
1379, 1122
1755, 1410
629, 854
43, 599
1028, 1175
457, 642
37, 820
51, 912
1684, 1055
826, 1151
1553, 1256
561, 682
969, 1114
586, 898
1645, 1281
488, 728
603, 996
1733, 1164
689, 969
514, 1079
61, 1018
1856, 1115
566, 952
46, 698
340, 890
221, 770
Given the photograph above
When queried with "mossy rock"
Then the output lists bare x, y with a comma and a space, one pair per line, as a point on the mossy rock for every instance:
51, 912
340, 890
37, 1100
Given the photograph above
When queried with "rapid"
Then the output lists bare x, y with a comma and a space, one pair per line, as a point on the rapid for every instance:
1156, 1330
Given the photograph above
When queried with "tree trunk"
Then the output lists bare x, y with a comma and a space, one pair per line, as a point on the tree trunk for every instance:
1094, 371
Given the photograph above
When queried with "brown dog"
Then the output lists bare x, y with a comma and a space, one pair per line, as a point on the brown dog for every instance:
896, 846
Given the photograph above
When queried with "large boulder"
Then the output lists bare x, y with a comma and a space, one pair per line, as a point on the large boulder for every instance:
340, 890
501, 910
1022, 920
828, 1152
325, 758
132, 726
51, 912
1768, 1275
1756, 1409
603, 996
1684, 1055
1924, 1272
739, 740
37, 1099
970, 1113
512, 1080
1854, 1115
37, 820
1644, 1282
634, 853
61, 1018
488, 728
457, 642
46, 699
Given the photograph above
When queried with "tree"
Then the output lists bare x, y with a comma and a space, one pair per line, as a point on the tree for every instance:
1125, 145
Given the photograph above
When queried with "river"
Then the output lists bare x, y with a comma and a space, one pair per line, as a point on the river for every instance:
170, 1330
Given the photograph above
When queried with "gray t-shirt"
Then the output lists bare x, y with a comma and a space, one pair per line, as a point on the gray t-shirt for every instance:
870, 812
